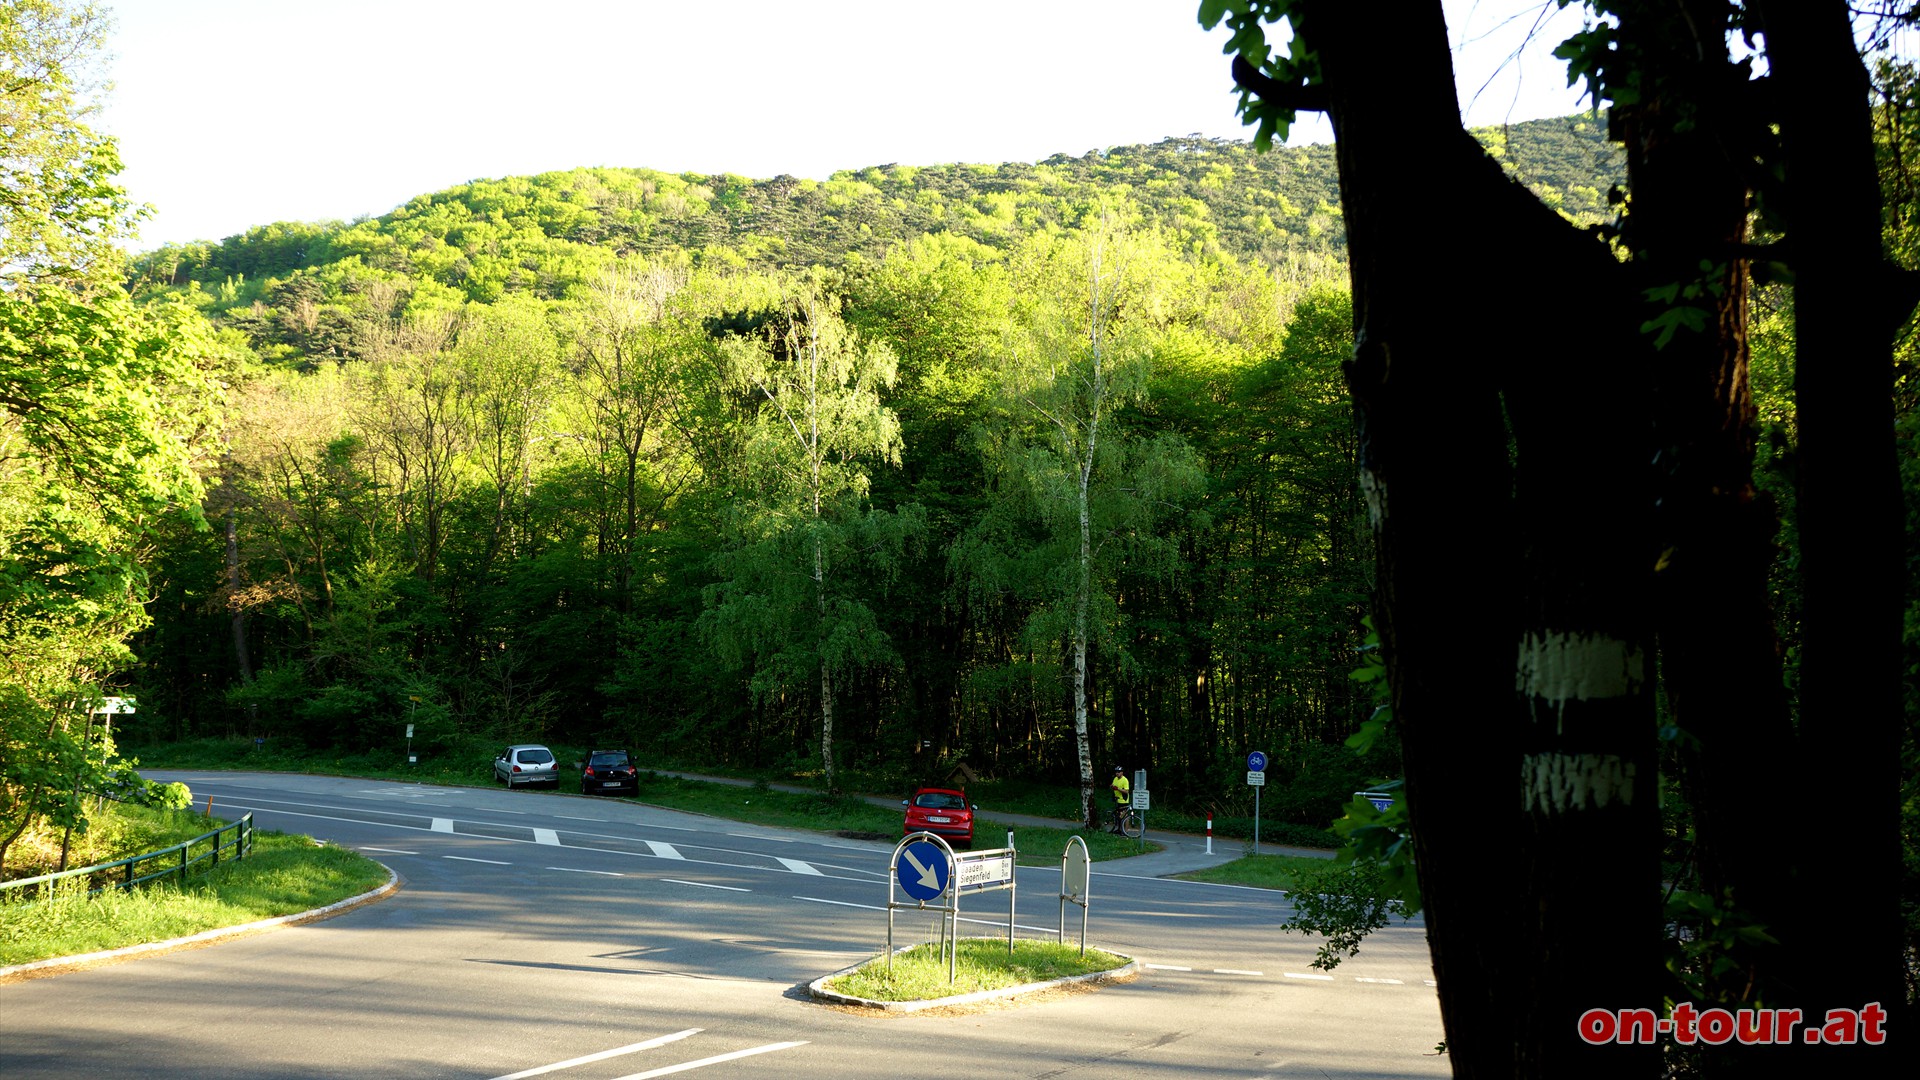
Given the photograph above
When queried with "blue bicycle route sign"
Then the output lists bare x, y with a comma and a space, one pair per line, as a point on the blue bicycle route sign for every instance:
1256, 762
922, 870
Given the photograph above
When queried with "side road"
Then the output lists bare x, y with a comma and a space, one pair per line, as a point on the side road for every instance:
1180, 852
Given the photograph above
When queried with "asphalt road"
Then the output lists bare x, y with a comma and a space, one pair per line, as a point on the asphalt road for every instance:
533, 931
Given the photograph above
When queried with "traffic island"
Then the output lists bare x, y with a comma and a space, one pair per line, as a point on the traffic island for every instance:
982, 970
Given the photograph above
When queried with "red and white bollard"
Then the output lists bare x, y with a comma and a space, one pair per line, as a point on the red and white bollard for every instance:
1209, 834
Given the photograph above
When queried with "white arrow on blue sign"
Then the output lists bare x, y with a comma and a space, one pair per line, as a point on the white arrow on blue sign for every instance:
922, 870
1256, 762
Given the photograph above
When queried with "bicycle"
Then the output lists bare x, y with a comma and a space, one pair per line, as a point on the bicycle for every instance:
1125, 823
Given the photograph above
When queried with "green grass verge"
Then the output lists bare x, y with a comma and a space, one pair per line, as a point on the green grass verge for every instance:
286, 874
1260, 871
920, 973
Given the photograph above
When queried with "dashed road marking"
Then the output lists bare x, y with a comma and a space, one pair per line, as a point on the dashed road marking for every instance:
1235, 971
1165, 967
714, 1060
443, 824
799, 867
572, 870
463, 858
1314, 978
706, 885
663, 851
1388, 982
389, 851
546, 836
601, 1056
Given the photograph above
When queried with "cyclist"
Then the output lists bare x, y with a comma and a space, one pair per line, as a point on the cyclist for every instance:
1122, 797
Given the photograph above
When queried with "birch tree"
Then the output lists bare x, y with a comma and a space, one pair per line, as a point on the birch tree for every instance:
793, 599
1094, 490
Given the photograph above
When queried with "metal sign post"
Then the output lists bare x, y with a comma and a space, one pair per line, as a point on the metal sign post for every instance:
1142, 799
1256, 779
1075, 881
922, 867
926, 868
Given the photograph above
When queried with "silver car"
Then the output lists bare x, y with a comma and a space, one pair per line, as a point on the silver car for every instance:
527, 763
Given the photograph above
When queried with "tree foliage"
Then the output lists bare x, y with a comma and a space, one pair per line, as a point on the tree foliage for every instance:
106, 410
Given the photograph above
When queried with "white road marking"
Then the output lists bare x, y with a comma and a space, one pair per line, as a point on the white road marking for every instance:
576, 817
663, 851
601, 1056
1165, 967
254, 804
1430, 982
1022, 926
546, 836
799, 867
757, 836
389, 850
463, 858
442, 824
839, 903
715, 1060
1315, 978
571, 870
1235, 971
704, 885
1388, 982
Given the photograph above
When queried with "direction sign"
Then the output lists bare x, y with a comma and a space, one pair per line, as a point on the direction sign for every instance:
922, 870
985, 870
1256, 762
1256, 779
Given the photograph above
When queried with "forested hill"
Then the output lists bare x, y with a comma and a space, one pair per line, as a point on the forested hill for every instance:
543, 234
546, 491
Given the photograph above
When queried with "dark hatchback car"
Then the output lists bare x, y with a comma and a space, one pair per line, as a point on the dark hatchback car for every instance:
942, 811
609, 772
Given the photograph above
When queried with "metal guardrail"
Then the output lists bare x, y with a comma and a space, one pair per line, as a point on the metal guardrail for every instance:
183, 859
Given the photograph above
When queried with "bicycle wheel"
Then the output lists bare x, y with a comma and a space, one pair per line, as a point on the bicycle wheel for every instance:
1131, 825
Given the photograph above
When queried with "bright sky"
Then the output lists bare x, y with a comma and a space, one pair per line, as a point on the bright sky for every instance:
234, 113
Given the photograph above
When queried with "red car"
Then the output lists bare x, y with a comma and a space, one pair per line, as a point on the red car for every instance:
942, 811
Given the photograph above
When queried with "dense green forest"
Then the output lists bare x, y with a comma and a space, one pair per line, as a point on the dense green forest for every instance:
508, 463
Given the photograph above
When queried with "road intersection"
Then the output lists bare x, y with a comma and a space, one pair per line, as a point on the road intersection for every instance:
595, 939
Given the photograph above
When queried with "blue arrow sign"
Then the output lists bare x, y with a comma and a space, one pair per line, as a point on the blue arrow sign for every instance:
922, 870
1256, 762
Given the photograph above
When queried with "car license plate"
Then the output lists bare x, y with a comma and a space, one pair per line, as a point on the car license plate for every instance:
938, 820
610, 783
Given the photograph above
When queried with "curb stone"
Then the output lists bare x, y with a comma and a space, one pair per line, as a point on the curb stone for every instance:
818, 988
59, 963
